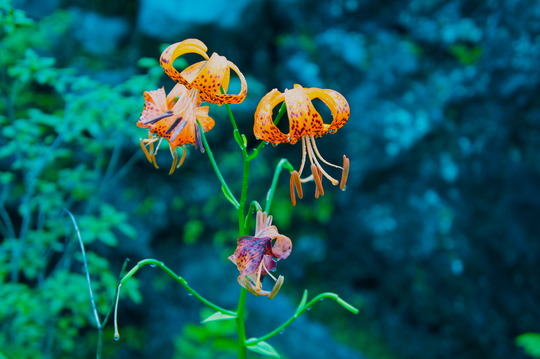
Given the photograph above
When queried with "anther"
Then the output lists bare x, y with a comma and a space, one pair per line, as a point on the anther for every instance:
295, 187
317, 177
174, 124
344, 173
277, 287
156, 119
291, 188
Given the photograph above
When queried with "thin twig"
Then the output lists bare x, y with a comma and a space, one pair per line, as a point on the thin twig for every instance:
93, 302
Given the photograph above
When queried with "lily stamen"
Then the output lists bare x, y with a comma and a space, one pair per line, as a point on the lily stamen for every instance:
295, 187
157, 118
344, 174
150, 155
267, 271
313, 159
316, 171
173, 125
277, 287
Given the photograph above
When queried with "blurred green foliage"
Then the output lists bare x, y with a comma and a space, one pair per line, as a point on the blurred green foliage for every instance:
466, 54
530, 342
62, 138
212, 340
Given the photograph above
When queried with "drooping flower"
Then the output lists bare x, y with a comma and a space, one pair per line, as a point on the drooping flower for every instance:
173, 117
208, 76
257, 256
305, 124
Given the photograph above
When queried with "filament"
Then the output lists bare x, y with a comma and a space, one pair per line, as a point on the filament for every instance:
313, 159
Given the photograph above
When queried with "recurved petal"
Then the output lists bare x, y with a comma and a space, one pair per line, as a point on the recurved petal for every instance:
249, 253
207, 122
211, 77
178, 91
191, 72
282, 247
262, 221
337, 104
154, 108
158, 97
264, 127
303, 117
176, 50
234, 98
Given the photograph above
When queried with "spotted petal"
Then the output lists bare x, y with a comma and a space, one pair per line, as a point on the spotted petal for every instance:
304, 120
209, 76
336, 102
249, 253
264, 127
176, 50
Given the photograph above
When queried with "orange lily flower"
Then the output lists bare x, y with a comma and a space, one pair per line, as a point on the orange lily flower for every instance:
208, 77
173, 117
256, 256
305, 123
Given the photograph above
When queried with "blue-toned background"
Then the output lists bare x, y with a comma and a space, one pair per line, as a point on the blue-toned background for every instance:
436, 238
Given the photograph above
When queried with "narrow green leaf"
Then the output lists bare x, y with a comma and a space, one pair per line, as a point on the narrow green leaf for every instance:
229, 197
218, 316
263, 348
347, 306
302, 303
238, 138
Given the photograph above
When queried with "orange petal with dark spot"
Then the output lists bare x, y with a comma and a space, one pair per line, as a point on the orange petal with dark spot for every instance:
304, 119
264, 127
176, 50
338, 105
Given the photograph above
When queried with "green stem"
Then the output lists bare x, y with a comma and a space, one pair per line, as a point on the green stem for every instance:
226, 190
253, 206
242, 230
182, 281
240, 324
283, 163
300, 310
243, 199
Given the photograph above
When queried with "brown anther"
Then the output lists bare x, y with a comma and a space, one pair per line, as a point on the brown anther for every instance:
295, 186
157, 118
173, 125
246, 283
317, 177
182, 159
344, 173
291, 188
298, 185
150, 155
277, 287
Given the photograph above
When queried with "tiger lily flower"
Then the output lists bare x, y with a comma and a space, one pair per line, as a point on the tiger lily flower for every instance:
256, 256
305, 124
173, 117
208, 77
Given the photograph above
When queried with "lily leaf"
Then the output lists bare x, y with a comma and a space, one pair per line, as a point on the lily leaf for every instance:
302, 303
229, 197
263, 348
218, 316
